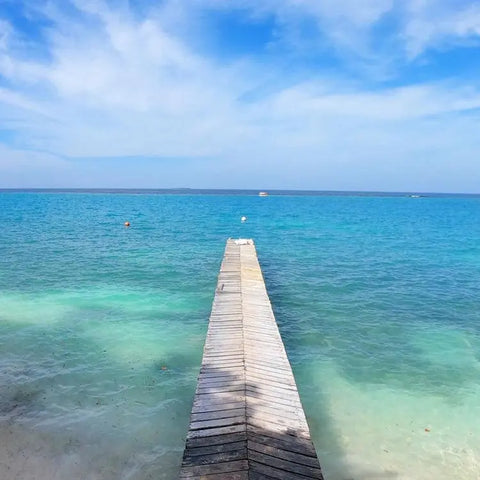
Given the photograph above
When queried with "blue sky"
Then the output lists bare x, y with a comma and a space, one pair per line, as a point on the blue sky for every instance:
302, 94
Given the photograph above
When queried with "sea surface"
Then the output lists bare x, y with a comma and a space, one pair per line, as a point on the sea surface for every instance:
102, 327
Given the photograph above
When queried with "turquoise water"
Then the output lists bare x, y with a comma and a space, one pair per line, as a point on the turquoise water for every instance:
102, 328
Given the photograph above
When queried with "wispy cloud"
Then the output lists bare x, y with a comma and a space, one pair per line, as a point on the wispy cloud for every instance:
433, 24
126, 81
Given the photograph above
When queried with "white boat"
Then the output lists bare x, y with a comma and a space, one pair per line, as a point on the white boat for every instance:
263, 194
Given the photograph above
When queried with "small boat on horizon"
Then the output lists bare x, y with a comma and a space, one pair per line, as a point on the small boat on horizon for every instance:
263, 194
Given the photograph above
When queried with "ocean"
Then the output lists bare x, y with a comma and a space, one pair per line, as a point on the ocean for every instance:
102, 327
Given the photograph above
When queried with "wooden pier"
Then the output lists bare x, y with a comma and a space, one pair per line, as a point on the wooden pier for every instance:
247, 421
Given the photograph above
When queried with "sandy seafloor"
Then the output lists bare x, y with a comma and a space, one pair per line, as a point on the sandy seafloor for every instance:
102, 328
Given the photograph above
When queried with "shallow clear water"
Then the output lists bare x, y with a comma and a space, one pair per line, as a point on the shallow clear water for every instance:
102, 328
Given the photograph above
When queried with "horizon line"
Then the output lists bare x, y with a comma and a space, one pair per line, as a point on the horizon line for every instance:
223, 190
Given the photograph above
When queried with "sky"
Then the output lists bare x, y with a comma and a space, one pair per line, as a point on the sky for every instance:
379, 95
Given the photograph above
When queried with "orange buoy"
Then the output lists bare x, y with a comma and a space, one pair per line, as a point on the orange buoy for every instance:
127, 224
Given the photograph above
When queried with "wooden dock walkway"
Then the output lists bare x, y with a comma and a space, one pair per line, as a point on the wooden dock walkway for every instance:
247, 421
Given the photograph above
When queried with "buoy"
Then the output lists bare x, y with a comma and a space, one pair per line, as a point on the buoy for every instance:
243, 219
127, 224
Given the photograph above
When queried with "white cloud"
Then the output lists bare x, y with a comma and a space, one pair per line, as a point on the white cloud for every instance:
350, 27
17, 100
347, 24
5, 32
369, 12
116, 85
401, 103
344, 26
439, 23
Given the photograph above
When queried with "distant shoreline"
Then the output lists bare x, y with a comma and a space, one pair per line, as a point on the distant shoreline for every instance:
238, 192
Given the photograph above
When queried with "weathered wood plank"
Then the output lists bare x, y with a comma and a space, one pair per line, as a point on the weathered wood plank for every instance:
223, 447
219, 399
273, 410
234, 412
239, 369
213, 458
280, 381
221, 389
265, 366
253, 475
209, 432
244, 475
274, 473
223, 467
218, 376
208, 382
219, 354
284, 454
216, 440
223, 365
256, 393
218, 422
276, 462
217, 407
285, 442
277, 422
247, 420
